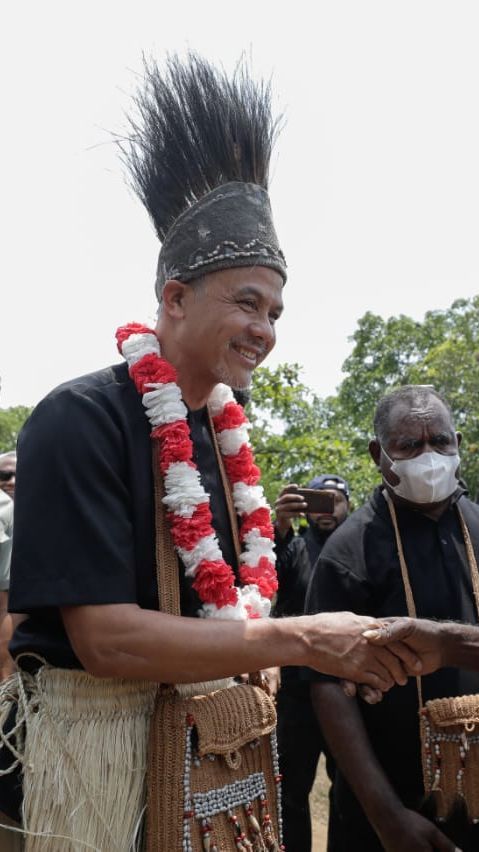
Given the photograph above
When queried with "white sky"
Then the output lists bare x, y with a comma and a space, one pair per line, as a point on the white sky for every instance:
376, 175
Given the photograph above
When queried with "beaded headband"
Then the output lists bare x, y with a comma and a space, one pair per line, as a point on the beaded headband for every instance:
228, 227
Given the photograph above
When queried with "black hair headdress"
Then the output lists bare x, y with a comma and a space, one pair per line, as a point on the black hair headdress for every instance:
198, 156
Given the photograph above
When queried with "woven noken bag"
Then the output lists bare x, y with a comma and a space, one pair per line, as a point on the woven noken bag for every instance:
449, 737
213, 774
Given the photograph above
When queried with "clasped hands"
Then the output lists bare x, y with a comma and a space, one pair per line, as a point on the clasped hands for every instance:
418, 646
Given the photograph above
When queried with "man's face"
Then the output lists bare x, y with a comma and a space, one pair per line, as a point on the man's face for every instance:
229, 324
8, 465
413, 431
328, 523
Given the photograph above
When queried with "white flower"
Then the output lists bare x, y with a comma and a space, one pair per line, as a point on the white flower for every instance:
257, 546
230, 440
248, 498
164, 404
220, 395
227, 613
259, 605
184, 491
207, 548
138, 345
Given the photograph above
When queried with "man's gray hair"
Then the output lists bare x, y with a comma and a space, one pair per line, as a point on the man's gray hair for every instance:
410, 395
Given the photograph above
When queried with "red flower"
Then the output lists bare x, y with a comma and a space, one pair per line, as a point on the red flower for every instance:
263, 575
214, 582
260, 519
187, 532
151, 369
175, 442
125, 331
241, 467
231, 417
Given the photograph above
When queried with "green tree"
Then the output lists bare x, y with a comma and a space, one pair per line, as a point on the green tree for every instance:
442, 351
293, 438
11, 421
297, 435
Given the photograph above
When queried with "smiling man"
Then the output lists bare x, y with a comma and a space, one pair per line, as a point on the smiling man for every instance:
94, 646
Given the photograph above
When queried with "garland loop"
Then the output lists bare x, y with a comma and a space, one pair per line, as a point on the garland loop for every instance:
188, 505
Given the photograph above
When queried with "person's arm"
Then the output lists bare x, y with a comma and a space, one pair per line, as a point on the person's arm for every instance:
122, 640
397, 827
437, 643
288, 507
7, 666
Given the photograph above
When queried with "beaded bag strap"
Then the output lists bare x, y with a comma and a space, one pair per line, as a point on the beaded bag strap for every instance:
471, 558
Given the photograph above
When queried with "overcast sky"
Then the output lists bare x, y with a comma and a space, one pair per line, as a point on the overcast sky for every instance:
375, 183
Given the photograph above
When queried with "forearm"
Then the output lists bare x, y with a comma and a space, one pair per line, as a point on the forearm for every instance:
345, 733
6, 630
122, 640
437, 643
126, 641
461, 645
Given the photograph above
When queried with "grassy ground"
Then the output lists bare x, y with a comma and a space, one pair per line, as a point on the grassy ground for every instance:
319, 808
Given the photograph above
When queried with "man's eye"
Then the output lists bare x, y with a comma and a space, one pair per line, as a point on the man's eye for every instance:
248, 303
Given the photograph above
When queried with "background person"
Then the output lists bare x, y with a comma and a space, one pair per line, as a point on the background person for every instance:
300, 741
8, 464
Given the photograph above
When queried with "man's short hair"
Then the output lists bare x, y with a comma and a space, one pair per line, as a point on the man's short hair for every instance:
410, 395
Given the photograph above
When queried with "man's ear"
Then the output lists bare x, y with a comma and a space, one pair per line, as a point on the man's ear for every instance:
173, 297
375, 451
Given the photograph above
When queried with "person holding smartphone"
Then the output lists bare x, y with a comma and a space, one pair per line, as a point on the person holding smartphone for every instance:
325, 504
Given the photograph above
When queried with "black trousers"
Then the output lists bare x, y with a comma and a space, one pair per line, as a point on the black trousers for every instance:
300, 744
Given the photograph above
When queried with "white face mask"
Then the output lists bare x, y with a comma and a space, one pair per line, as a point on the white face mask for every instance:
428, 478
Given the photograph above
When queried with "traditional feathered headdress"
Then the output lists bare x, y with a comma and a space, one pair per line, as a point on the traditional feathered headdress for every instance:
198, 155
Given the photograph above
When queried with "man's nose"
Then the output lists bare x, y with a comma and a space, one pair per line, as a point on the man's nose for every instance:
263, 329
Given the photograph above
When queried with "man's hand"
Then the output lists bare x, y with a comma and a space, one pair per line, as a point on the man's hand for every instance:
288, 506
409, 830
273, 679
360, 690
425, 638
340, 648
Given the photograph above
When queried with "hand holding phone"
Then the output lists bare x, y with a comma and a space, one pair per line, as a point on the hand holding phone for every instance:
318, 502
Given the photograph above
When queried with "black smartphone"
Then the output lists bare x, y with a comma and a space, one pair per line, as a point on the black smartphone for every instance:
319, 502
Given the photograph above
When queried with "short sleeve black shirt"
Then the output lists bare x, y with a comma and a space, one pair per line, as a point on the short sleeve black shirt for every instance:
84, 530
358, 570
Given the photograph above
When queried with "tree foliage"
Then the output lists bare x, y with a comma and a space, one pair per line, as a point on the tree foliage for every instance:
11, 421
298, 435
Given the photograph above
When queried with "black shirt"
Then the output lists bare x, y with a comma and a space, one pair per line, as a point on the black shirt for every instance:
358, 570
296, 556
84, 529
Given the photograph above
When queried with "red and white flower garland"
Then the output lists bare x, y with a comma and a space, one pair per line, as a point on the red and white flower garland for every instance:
187, 502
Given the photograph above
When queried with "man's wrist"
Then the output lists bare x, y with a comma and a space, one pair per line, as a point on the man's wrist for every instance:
459, 645
283, 528
291, 635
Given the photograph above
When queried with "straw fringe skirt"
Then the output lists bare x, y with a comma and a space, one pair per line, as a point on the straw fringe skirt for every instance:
85, 762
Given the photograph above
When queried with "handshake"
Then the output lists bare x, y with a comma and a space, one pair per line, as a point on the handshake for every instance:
415, 647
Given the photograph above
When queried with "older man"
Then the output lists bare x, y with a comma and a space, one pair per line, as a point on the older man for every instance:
199, 160
378, 791
300, 741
